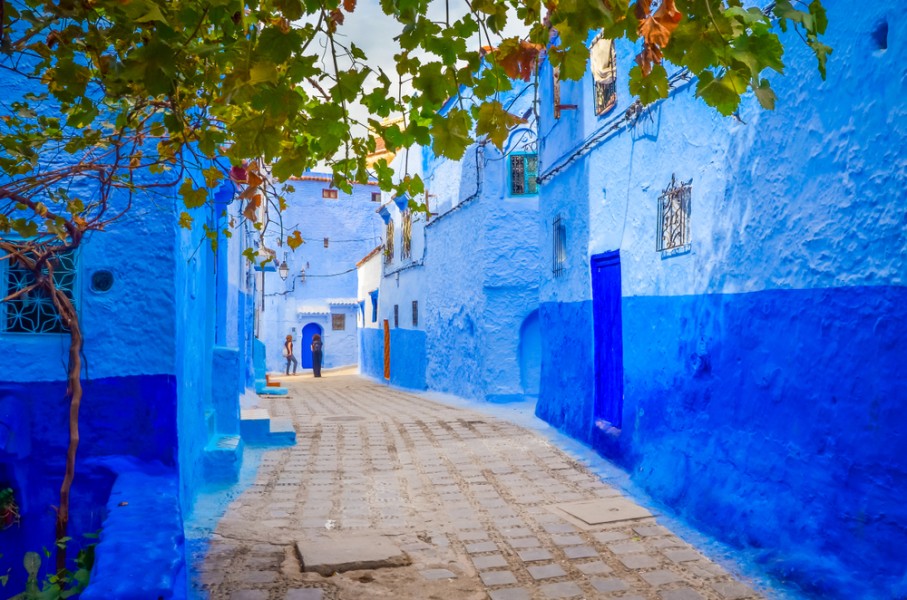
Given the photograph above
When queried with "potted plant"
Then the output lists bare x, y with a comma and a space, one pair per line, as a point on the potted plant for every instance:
9, 510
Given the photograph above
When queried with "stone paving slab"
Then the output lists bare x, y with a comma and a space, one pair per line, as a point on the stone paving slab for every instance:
349, 553
476, 504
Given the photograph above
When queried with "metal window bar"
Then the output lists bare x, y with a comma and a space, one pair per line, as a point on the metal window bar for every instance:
389, 244
415, 313
517, 175
396, 315
674, 216
35, 312
559, 247
406, 249
604, 75
524, 174
338, 322
605, 96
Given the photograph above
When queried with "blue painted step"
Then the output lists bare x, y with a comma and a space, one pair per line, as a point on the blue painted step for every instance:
258, 429
141, 553
222, 458
263, 389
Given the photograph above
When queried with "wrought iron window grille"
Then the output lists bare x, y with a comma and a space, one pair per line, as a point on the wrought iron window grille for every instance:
406, 247
389, 243
559, 246
524, 169
338, 322
674, 217
396, 315
415, 313
556, 91
35, 312
604, 75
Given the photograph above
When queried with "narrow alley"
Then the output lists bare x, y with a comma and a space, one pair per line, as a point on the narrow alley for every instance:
473, 506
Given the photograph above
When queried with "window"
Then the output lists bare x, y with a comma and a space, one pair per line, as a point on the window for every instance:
406, 249
376, 196
374, 297
559, 247
604, 75
389, 243
674, 217
35, 311
396, 315
523, 174
556, 89
329, 193
415, 313
327, 242
338, 322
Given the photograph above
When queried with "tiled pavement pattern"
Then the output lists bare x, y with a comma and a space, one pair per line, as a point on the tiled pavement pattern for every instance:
465, 495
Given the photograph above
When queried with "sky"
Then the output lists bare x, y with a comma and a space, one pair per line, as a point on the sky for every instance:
373, 31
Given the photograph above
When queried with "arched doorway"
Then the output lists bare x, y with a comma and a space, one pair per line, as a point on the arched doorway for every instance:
531, 354
306, 350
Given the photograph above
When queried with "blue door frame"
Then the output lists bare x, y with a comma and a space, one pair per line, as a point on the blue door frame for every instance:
608, 338
305, 353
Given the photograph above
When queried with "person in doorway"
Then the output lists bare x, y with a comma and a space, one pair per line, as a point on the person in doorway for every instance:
288, 354
316, 354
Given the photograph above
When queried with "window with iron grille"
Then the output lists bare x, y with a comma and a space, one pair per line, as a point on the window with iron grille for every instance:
415, 313
329, 193
376, 196
674, 216
523, 174
338, 322
604, 75
406, 247
396, 315
556, 89
559, 246
389, 243
35, 312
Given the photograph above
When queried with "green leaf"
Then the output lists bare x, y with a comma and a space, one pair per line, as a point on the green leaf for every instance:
185, 220
722, 93
820, 18
495, 122
651, 88
450, 134
765, 94
192, 197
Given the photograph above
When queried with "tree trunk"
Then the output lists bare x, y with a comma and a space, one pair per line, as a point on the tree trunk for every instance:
74, 391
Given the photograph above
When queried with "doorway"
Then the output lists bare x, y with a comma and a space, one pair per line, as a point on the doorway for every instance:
530, 354
308, 332
608, 339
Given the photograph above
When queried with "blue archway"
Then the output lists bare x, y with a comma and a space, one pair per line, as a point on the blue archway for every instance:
305, 351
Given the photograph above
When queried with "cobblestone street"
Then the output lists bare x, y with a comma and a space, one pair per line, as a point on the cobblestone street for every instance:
470, 499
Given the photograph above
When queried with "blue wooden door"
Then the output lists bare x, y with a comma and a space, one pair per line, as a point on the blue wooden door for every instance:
609, 354
305, 352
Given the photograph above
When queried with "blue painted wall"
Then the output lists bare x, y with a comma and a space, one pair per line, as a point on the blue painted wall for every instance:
762, 366
352, 228
473, 271
149, 405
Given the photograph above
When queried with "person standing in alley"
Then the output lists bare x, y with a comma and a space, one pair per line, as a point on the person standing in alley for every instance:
316, 354
288, 354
